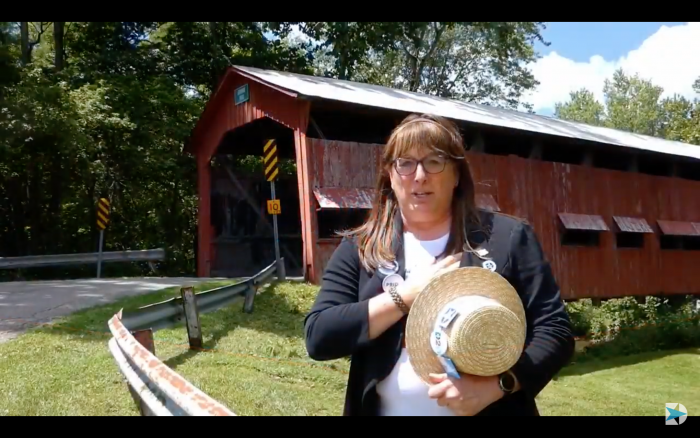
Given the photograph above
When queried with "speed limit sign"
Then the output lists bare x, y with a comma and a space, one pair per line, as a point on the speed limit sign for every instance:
273, 206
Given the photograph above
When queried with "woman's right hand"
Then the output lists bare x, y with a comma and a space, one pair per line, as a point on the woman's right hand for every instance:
410, 289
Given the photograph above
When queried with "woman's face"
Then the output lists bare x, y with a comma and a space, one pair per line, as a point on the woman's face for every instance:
424, 182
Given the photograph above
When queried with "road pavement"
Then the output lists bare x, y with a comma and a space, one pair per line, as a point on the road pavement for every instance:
25, 304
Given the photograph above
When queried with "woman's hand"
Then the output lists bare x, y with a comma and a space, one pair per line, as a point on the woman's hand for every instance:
383, 312
410, 289
466, 396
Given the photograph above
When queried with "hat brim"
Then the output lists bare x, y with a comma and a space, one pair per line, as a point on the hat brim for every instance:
445, 288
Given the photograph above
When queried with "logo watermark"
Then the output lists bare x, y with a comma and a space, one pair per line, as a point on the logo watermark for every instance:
675, 413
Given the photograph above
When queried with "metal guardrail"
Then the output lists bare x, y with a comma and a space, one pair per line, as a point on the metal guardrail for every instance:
147, 255
156, 389
171, 312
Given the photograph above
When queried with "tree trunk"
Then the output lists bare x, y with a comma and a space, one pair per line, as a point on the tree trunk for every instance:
58, 31
26, 53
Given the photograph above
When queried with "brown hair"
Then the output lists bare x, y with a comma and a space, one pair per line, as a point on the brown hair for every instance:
376, 236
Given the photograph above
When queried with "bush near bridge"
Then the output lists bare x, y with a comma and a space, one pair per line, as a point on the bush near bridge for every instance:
623, 326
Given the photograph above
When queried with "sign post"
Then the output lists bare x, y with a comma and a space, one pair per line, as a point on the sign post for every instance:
273, 205
102, 221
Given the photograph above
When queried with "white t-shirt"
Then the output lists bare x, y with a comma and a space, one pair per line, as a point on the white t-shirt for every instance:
402, 393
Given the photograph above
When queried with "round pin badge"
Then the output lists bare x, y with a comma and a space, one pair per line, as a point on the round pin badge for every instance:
389, 269
393, 280
438, 342
490, 265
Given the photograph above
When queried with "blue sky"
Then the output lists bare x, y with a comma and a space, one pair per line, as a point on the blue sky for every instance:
583, 55
580, 41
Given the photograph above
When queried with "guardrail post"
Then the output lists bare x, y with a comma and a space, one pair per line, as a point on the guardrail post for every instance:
145, 338
249, 298
194, 329
281, 272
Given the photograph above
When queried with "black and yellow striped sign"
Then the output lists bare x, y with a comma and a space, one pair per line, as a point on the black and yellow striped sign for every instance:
103, 213
270, 160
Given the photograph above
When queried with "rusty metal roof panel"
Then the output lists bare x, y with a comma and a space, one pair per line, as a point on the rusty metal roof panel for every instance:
486, 202
679, 228
632, 224
346, 198
590, 222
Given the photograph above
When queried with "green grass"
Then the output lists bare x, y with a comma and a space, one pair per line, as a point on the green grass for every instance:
256, 364
66, 369
638, 384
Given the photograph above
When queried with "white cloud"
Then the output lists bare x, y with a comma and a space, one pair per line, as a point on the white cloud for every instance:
669, 58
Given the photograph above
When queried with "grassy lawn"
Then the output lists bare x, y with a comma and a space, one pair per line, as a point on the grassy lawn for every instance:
256, 365
640, 384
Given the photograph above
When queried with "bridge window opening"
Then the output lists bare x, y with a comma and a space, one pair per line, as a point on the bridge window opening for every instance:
656, 165
329, 120
612, 160
580, 238
562, 153
333, 220
688, 170
500, 143
680, 243
340, 209
679, 235
581, 229
629, 240
630, 231
691, 243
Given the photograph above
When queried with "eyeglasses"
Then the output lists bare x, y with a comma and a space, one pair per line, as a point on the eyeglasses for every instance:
431, 164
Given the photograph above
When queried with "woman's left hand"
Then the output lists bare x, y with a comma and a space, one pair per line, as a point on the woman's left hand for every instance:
466, 396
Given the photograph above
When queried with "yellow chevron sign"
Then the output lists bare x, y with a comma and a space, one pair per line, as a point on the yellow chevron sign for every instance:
270, 160
103, 213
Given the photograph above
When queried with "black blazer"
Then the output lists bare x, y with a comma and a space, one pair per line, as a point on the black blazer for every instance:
337, 325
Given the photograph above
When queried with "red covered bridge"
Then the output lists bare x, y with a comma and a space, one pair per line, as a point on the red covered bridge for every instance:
618, 213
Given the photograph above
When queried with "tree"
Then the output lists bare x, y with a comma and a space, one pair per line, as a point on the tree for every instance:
481, 62
92, 109
634, 104
582, 107
348, 43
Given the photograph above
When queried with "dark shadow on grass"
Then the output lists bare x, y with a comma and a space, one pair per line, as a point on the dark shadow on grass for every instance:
180, 359
272, 313
590, 362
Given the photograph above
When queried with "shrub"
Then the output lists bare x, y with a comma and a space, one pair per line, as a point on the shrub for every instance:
623, 326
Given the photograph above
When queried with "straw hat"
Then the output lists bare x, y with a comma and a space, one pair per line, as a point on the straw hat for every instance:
471, 316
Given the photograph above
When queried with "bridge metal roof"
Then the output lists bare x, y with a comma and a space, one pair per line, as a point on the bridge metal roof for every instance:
383, 97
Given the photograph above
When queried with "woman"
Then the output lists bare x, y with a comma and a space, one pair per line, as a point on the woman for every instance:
425, 222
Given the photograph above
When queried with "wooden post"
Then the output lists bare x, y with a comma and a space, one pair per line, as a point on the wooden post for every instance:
194, 330
249, 298
281, 270
145, 338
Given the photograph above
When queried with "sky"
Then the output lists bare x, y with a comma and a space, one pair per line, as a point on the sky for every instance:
583, 55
